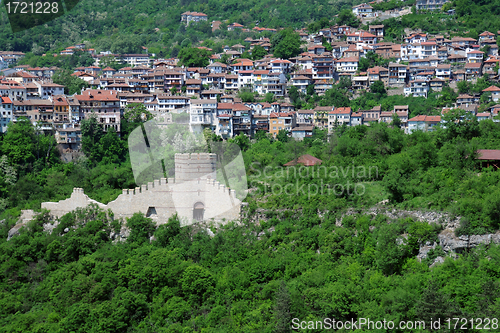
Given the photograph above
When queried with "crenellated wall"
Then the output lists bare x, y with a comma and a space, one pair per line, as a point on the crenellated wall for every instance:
164, 197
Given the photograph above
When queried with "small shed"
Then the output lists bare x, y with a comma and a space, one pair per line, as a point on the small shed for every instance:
305, 160
489, 157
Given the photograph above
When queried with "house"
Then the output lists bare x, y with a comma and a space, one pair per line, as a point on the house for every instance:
402, 111
202, 114
473, 70
323, 66
193, 87
356, 118
372, 115
316, 49
188, 17
385, 117
321, 116
495, 93
224, 126
377, 30
483, 116
398, 74
234, 26
281, 66
167, 103
104, 104
61, 109
463, 41
475, 56
366, 38
6, 113
281, 121
242, 65
378, 73
428, 49
436, 84
457, 58
360, 82
68, 136
302, 131
352, 51
486, 35
363, 10
430, 4
423, 123
443, 72
347, 65
305, 117
301, 82
417, 88
217, 68
416, 38
465, 99
338, 117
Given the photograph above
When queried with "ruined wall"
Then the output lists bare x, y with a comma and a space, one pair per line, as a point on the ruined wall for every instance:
78, 199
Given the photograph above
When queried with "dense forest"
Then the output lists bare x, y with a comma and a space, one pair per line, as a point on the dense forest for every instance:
304, 258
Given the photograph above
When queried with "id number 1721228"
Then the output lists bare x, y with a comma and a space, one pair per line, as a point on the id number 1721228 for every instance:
29, 7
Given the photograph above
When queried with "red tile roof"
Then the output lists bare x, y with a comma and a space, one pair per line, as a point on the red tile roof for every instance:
488, 154
306, 160
492, 88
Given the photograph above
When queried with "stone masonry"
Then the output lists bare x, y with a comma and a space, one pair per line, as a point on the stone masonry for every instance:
194, 194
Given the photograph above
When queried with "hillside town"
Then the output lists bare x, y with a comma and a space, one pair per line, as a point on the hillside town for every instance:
209, 95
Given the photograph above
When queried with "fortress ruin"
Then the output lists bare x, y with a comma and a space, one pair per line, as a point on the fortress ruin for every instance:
194, 194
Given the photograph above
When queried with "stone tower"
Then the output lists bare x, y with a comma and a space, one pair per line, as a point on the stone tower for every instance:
195, 166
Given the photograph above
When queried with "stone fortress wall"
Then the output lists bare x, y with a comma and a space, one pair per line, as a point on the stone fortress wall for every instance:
194, 194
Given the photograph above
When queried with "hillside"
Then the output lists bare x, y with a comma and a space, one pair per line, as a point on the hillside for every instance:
133, 23
126, 26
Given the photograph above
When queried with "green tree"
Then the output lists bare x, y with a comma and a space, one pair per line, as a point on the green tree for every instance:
396, 121
371, 59
286, 44
92, 132
246, 95
269, 98
258, 52
137, 113
378, 88
194, 57
310, 89
433, 305
72, 84
19, 142
141, 229
463, 87
166, 233
282, 136
197, 284
294, 94
113, 149
282, 306
346, 17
